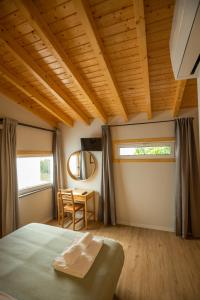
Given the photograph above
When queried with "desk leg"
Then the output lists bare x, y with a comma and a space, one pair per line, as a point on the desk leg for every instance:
86, 220
94, 209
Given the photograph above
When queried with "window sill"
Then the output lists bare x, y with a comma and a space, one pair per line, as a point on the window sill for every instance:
145, 160
37, 189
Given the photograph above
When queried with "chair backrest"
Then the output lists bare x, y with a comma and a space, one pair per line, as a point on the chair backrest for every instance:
65, 197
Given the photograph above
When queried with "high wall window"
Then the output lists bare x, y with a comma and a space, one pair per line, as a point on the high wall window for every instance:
144, 149
34, 172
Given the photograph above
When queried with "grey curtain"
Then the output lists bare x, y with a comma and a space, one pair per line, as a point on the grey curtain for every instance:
59, 179
187, 180
8, 178
0, 187
107, 211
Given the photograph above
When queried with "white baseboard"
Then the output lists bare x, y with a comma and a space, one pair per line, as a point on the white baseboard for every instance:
139, 225
46, 220
34, 221
147, 226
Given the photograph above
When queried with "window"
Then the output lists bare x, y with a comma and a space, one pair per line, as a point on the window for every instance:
34, 172
155, 150
144, 150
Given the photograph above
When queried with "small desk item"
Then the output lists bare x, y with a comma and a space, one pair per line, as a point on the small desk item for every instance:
82, 197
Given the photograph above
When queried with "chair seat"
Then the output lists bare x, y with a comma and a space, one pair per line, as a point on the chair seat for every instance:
69, 208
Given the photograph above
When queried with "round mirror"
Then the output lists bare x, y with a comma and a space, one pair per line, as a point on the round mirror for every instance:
81, 165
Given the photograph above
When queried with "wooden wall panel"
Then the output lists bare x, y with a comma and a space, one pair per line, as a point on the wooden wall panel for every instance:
115, 22
71, 35
116, 25
8, 90
190, 98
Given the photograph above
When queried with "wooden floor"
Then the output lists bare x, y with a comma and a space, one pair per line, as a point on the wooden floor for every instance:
158, 265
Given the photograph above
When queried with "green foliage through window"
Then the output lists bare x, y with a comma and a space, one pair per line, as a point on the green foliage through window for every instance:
45, 170
146, 150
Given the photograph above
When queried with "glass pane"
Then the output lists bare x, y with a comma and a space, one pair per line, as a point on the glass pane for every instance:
145, 150
74, 164
34, 171
45, 170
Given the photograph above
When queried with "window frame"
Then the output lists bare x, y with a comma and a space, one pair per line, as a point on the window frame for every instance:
39, 187
148, 142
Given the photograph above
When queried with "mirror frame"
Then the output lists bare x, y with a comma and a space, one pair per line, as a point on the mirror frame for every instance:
70, 173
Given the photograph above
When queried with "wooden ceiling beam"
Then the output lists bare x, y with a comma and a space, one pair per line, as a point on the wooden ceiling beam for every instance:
16, 98
32, 14
178, 96
31, 92
41, 75
142, 44
83, 10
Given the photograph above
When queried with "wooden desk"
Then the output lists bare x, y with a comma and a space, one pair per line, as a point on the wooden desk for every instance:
79, 198
90, 196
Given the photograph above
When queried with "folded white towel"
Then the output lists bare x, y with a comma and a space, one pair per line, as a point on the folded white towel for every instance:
71, 254
83, 263
94, 247
86, 240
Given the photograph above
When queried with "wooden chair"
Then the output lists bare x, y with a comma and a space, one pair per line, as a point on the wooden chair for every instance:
67, 206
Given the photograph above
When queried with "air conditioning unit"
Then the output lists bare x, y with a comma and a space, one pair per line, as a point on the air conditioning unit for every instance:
185, 39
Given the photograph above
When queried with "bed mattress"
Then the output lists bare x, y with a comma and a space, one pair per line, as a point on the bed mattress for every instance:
26, 271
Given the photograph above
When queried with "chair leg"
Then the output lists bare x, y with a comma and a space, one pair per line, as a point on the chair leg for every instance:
62, 219
58, 217
84, 216
73, 219
86, 220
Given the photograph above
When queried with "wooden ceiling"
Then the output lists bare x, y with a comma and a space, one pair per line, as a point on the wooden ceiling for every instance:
85, 59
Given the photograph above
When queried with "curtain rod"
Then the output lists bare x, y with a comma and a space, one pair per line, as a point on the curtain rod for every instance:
143, 123
32, 126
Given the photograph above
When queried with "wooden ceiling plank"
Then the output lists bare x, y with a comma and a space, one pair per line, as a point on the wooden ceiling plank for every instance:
14, 97
141, 38
40, 74
88, 22
31, 12
178, 96
28, 90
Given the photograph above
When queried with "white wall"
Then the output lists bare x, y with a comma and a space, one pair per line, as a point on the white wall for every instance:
11, 109
144, 191
36, 207
71, 142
